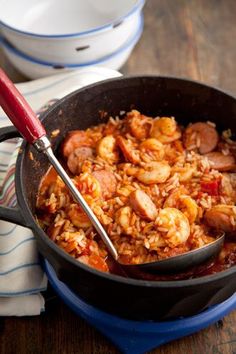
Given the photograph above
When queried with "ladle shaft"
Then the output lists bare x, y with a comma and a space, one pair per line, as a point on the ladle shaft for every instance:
30, 127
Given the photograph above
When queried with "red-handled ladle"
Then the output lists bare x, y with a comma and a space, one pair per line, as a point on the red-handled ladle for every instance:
27, 123
30, 127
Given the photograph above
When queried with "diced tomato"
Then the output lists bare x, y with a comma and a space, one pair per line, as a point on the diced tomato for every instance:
210, 187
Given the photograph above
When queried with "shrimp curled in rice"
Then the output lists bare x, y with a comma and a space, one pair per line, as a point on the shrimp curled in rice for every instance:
123, 218
173, 225
154, 148
88, 185
78, 217
185, 203
139, 125
165, 130
154, 172
106, 149
184, 173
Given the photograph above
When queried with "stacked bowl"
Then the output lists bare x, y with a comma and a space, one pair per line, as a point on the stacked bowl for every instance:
41, 38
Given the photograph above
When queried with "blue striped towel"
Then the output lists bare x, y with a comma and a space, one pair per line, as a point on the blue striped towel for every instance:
21, 277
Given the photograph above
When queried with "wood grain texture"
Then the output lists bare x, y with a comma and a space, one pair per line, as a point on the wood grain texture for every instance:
184, 38
188, 38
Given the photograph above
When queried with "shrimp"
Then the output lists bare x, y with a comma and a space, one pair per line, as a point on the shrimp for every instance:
153, 147
88, 185
128, 150
78, 217
173, 225
139, 125
172, 199
154, 172
54, 195
123, 218
128, 168
183, 202
106, 149
189, 207
143, 205
184, 173
221, 217
165, 129
73, 140
201, 136
77, 157
125, 191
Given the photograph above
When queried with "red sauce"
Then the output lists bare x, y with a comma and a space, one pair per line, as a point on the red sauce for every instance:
226, 259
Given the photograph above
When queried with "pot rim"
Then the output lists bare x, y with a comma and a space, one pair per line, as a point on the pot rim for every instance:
26, 212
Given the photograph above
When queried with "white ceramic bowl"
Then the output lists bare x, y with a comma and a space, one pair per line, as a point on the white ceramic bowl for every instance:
69, 31
36, 68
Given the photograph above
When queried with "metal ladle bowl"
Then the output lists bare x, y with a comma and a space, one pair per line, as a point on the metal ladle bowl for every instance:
185, 260
27, 123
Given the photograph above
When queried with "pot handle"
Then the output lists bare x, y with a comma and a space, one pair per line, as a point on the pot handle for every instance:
11, 214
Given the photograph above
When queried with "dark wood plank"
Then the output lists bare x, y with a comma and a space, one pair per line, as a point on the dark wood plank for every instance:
184, 38
188, 38
59, 330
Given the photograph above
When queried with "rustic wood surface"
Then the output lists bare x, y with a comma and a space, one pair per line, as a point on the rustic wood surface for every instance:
184, 38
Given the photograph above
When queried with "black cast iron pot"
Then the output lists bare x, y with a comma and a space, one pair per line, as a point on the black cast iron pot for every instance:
135, 299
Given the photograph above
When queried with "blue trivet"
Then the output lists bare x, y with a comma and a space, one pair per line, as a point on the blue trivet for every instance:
133, 337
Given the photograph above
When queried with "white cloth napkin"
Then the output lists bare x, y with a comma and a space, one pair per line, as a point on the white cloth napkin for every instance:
21, 277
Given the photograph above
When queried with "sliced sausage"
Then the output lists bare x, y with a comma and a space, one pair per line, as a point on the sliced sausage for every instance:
143, 205
107, 182
128, 149
220, 161
73, 140
77, 157
220, 217
201, 136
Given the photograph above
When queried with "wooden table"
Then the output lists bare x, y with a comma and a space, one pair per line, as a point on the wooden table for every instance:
184, 38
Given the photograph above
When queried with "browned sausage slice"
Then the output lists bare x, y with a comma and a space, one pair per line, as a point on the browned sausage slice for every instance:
107, 182
127, 149
73, 140
202, 136
143, 205
220, 217
78, 156
220, 161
